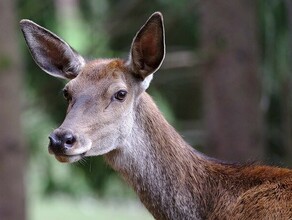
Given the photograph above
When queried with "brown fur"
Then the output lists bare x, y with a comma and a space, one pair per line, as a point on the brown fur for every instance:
209, 189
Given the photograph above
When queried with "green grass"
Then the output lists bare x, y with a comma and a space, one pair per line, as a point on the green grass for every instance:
118, 203
65, 208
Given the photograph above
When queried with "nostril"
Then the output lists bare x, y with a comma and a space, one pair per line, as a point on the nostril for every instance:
53, 140
69, 140
55, 144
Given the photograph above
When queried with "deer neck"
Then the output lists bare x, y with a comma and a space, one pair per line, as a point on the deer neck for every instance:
163, 170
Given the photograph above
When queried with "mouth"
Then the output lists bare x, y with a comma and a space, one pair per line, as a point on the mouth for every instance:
63, 158
69, 158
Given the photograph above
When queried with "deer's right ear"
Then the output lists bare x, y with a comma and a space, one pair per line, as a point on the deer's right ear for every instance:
52, 54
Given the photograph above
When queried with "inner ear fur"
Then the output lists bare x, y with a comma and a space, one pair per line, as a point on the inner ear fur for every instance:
51, 53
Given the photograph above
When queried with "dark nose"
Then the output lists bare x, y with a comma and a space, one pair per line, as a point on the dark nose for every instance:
61, 140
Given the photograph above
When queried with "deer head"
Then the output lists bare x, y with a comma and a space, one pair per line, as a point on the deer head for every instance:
102, 93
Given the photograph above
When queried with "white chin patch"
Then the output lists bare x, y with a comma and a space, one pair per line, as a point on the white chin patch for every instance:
146, 81
68, 159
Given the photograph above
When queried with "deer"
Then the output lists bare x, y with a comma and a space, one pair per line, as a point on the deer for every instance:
111, 114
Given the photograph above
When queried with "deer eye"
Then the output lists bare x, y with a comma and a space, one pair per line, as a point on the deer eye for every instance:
66, 94
120, 95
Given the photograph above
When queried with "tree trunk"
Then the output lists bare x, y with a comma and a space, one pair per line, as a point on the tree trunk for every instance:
233, 118
12, 157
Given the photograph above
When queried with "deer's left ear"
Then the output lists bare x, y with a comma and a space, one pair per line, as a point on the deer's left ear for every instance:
148, 48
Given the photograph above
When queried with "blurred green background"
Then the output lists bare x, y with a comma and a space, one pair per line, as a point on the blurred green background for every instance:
225, 86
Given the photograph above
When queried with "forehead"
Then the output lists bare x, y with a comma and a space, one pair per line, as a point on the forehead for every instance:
103, 68
104, 71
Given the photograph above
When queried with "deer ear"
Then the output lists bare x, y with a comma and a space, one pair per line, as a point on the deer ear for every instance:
52, 54
148, 47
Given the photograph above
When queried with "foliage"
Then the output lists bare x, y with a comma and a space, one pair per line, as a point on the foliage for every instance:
85, 208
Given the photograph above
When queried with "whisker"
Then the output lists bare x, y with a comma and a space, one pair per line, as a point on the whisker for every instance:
83, 161
90, 164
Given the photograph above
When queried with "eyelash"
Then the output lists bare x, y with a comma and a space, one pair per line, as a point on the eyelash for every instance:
67, 95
